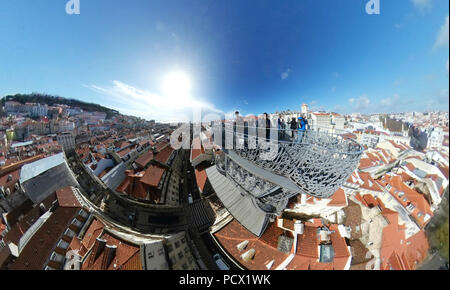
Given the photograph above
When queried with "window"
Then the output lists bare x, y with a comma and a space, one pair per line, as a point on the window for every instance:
150, 255
185, 266
161, 251
177, 244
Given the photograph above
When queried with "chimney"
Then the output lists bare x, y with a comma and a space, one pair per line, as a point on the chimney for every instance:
324, 236
299, 227
241, 246
108, 256
42, 208
247, 256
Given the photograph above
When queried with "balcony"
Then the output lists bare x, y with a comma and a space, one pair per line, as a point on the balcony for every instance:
261, 169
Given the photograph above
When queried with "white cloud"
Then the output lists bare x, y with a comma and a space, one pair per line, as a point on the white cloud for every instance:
285, 75
437, 101
422, 5
360, 104
390, 101
149, 105
442, 39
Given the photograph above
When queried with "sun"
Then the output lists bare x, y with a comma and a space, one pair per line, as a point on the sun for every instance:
176, 85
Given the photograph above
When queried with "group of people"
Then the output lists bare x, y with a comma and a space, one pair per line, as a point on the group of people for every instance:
296, 128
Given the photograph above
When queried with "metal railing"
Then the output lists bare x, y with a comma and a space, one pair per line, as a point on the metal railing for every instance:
318, 161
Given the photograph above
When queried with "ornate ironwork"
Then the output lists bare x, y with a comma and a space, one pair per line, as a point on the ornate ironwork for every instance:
318, 162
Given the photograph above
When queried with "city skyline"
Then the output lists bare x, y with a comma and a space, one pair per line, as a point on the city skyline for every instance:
332, 56
240, 135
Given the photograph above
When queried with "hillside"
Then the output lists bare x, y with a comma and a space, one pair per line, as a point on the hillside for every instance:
53, 100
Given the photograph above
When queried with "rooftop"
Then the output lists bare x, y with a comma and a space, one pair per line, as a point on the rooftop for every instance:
36, 168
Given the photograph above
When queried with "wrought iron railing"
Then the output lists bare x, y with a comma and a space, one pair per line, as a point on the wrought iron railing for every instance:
317, 161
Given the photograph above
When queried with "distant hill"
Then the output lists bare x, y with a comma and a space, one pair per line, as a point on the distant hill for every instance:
53, 100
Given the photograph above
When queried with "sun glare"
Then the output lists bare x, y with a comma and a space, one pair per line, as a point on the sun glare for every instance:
176, 85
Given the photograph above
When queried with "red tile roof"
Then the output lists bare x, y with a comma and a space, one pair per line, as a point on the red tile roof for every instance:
153, 175
393, 242
397, 252
412, 196
124, 152
369, 182
93, 232
307, 243
197, 149
127, 256
15, 176
365, 163
164, 155
338, 198
417, 248
234, 233
145, 159
132, 185
161, 145
66, 197
37, 251
201, 177
20, 224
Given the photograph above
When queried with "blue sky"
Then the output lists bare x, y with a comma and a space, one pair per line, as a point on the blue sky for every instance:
252, 55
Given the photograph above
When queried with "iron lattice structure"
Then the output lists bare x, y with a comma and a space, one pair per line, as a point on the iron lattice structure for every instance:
316, 165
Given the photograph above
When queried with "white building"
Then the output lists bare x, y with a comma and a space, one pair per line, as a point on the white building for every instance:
66, 126
435, 138
338, 121
320, 120
67, 141
38, 110
370, 140
305, 109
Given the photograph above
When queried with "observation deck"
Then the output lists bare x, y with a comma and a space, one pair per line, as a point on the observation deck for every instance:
268, 167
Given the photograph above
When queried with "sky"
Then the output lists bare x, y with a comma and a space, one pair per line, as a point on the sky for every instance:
165, 60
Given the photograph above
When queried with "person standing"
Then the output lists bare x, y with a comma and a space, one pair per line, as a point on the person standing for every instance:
301, 128
294, 127
266, 117
279, 126
283, 129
